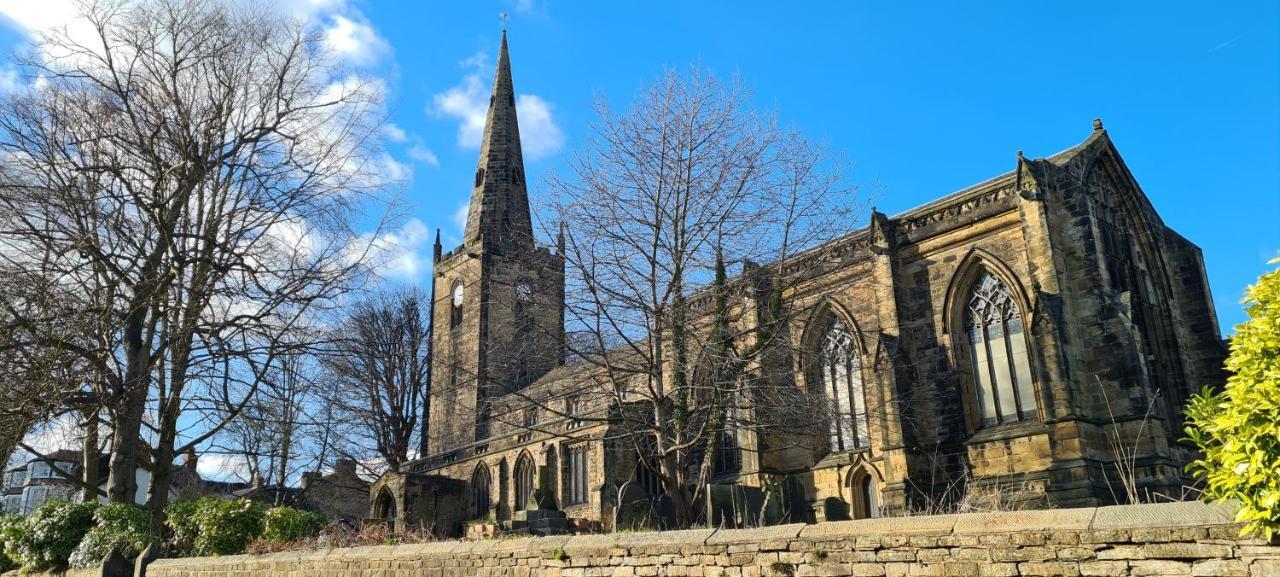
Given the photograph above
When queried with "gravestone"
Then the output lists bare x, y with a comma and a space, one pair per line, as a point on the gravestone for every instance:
541, 515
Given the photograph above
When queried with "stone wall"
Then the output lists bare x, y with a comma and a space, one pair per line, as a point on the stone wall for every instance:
1189, 539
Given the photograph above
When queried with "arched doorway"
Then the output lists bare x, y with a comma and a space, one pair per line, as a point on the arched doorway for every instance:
480, 486
866, 495
385, 508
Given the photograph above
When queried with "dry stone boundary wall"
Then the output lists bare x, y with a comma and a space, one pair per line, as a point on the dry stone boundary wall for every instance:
1186, 539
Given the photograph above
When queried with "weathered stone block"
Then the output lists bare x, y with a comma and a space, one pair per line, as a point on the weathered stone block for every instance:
997, 570
1185, 551
1220, 568
1049, 569
1264, 568
1160, 567
1103, 568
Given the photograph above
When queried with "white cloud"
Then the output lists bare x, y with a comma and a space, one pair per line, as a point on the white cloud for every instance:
402, 254
35, 17
354, 40
345, 30
468, 103
460, 216
9, 79
223, 467
395, 133
394, 171
307, 10
479, 61
424, 155
539, 134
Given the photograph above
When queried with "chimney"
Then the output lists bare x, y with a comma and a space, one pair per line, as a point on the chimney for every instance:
345, 467
190, 460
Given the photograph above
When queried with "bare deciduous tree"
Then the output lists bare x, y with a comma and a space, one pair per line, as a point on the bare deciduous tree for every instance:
188, 175
380, 371
666, 196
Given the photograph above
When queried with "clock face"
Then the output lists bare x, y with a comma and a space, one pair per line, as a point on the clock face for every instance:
457, 295
524, 290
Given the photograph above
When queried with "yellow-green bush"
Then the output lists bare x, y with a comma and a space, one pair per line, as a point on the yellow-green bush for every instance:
286, 524
1238, 429
209, 526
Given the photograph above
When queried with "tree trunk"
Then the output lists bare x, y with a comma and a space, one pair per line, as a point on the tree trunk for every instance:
122, 483
89, 453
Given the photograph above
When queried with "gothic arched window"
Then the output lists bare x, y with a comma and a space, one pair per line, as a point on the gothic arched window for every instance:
997, 351
455, 305
480, 500
841, 371
524, 481
728, 457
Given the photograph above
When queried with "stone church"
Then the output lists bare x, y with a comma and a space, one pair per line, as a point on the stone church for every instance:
1037, 334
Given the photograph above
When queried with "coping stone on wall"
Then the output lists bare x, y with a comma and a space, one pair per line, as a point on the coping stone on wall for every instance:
421, 549
594, 541
1164, 515
683, 537
549, 543
1033, 520
512, 544
770, 533
932, 524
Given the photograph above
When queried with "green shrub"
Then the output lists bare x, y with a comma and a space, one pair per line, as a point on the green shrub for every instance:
11, 530
210, 526
116, 526
183, 520
50, 533
1238, 430
286, 524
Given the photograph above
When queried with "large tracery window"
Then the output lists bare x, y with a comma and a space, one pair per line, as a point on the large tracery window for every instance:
841, 372
998, 354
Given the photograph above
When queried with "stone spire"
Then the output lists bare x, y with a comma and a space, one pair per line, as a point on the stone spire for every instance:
498, 217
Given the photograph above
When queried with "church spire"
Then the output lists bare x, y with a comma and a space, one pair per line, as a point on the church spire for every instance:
499, 213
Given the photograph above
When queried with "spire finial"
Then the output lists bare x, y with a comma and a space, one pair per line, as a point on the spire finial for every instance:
503, 16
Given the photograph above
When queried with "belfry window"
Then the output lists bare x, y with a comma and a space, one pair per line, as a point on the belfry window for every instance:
455, 305
841, 372
997, 351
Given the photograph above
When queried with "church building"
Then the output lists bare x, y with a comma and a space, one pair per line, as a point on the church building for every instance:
1036, 336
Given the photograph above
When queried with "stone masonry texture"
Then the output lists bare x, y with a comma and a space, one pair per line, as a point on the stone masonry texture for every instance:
1112, 308
1187, 539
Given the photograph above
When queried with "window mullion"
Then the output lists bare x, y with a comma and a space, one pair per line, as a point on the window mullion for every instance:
991, 370
1013, 370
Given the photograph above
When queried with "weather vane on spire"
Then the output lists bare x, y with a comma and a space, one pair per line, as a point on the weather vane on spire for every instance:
503, 17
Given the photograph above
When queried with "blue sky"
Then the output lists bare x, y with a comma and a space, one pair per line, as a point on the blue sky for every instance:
924, 98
